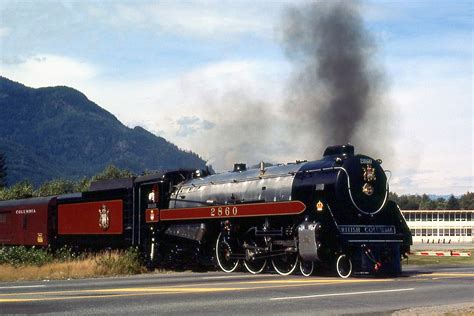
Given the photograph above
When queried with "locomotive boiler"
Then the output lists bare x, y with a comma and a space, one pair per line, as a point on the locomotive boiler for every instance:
332, 212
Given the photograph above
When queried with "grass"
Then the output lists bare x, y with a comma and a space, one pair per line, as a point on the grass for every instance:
106, 263
433, 260
50, 271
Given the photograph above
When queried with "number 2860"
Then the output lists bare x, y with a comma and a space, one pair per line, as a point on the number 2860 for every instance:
224, 211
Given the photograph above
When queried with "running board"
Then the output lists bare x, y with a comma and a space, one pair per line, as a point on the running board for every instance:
269, 232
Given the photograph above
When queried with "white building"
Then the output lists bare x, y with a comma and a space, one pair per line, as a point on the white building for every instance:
440, 226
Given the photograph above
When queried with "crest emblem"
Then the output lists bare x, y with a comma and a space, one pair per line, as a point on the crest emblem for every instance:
369, 173
104, 220
369, 176
319, 206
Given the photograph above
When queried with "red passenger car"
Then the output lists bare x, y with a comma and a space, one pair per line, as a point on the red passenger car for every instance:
28, 222
109, 215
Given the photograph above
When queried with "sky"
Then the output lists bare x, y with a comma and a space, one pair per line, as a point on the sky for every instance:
213, 77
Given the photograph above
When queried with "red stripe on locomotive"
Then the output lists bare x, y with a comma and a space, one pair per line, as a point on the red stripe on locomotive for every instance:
101, 218
234, 210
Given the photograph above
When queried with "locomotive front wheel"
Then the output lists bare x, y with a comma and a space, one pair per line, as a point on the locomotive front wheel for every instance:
306, 267
344, 266
223, 253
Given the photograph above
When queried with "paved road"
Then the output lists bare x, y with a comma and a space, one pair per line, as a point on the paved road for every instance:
216, 293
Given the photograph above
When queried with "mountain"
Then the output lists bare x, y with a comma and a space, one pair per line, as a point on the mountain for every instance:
56, 132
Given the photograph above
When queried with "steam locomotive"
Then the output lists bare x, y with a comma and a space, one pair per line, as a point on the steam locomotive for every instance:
330, 213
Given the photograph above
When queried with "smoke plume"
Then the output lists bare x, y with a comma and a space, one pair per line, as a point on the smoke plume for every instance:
334, 96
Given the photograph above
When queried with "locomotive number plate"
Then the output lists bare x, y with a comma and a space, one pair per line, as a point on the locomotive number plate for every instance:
367, 229
224, 211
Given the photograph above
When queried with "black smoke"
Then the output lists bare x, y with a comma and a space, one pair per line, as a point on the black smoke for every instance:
335, 94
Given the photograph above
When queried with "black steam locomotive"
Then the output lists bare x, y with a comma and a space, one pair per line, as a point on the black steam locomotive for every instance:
332, 212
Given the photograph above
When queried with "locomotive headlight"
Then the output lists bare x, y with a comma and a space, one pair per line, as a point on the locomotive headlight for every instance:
368, 189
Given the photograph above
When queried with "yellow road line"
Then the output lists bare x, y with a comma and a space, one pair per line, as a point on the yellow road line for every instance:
198, 288
454, 275
21, 300
139, 289
170, 288
303, 281
151, 291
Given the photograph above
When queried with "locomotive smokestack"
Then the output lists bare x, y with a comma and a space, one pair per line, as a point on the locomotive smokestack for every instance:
335, 84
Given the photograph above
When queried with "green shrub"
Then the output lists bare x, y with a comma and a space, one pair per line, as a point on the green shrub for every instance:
65, 253
21, 256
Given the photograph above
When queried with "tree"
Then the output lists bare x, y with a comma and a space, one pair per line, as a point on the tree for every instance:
392, 196
426, 203
440, 204
453, 203
21, 190
467, 201
82, 185
3, 171
112, 172
409, 202
55, 187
